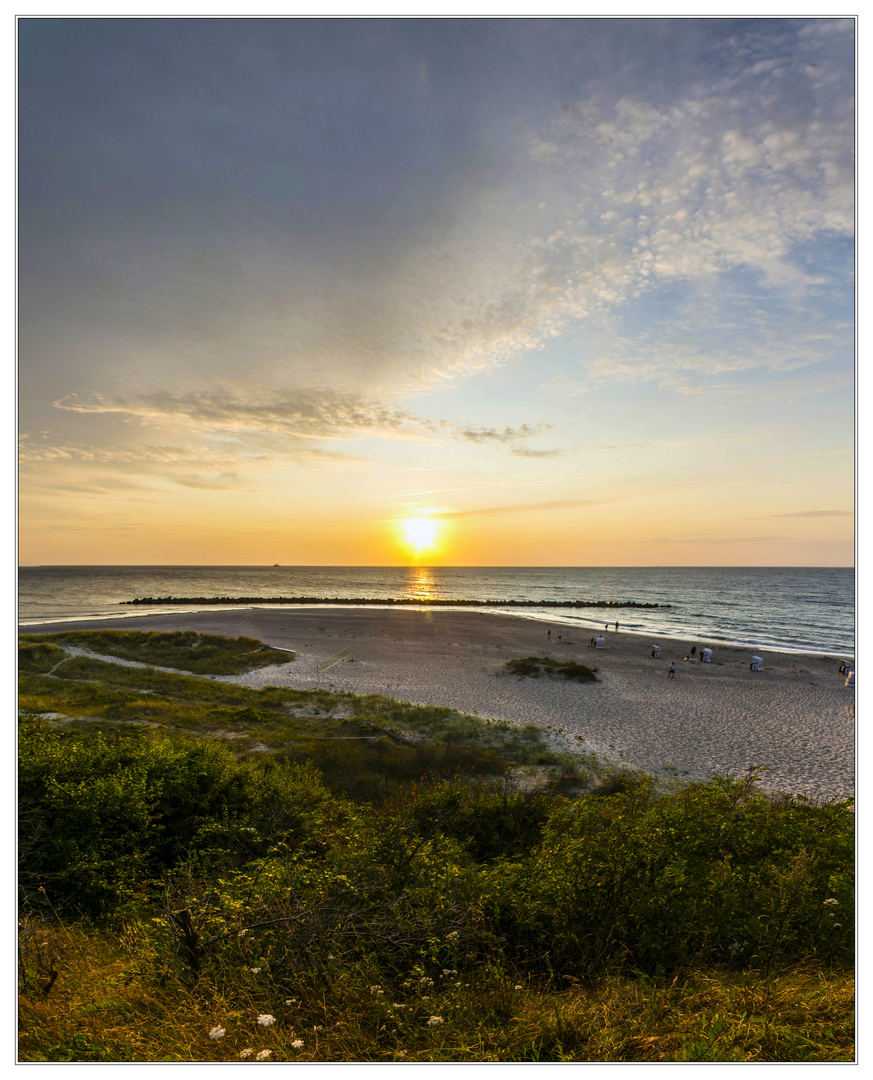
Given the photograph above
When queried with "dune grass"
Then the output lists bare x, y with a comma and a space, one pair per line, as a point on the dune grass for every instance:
200, 654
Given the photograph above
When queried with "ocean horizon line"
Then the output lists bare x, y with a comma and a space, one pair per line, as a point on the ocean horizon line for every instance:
435, 566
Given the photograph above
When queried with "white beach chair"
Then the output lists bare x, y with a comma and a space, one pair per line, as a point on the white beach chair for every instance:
757, 664
600, 643
706, 656
656, 652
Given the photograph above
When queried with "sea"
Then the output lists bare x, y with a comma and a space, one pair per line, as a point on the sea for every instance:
792, 609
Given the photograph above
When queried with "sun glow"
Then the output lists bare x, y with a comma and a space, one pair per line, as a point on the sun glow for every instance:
419, 534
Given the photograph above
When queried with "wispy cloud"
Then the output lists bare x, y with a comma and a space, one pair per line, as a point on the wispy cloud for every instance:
295, 413
522, 508
816, 514
507, 435
526, 451
714, 540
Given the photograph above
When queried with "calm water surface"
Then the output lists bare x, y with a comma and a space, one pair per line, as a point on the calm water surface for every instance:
806, 609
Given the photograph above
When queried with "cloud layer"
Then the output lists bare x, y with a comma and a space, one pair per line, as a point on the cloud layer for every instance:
361, 247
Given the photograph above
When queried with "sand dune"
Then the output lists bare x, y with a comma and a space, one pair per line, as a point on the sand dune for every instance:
795, 717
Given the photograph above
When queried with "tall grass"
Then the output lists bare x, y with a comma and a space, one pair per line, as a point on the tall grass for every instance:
111, 1004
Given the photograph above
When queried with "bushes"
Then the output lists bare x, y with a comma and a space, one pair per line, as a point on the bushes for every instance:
715, 874
490, 822
100, 815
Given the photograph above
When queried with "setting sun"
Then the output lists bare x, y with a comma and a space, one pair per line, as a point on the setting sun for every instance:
419, 533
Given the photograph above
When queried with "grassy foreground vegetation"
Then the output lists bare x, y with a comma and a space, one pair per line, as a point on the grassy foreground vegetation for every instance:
385, 882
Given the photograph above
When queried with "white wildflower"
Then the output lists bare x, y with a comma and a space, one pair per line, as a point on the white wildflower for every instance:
254, 971
297, 1044
434, 1020
264, 1054
217, 1033
265, 1020
831, 901
518, 988
401, 1053
247, 1053
290, 1001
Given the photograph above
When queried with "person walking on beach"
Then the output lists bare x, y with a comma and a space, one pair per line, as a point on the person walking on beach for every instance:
550, 635
616, 626
671, 674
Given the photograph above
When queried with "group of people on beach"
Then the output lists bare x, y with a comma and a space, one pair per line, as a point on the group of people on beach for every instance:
592, 644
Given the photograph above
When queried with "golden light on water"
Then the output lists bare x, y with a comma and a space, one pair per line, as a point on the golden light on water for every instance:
420, 583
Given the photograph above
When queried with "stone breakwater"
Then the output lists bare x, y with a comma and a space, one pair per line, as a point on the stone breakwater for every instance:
429, 602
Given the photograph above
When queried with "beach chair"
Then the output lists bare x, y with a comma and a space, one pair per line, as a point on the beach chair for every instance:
600, 643
850, 677
656, 652
757, 664
706, 656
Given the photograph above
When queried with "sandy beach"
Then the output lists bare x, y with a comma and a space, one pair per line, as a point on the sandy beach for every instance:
795, 717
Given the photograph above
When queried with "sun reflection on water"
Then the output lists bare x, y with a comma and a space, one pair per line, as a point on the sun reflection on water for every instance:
420, 583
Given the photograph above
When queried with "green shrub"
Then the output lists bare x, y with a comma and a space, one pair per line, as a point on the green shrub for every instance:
532, 667
101, 814
718, 873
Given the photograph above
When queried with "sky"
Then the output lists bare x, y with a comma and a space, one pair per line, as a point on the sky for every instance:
506, 291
